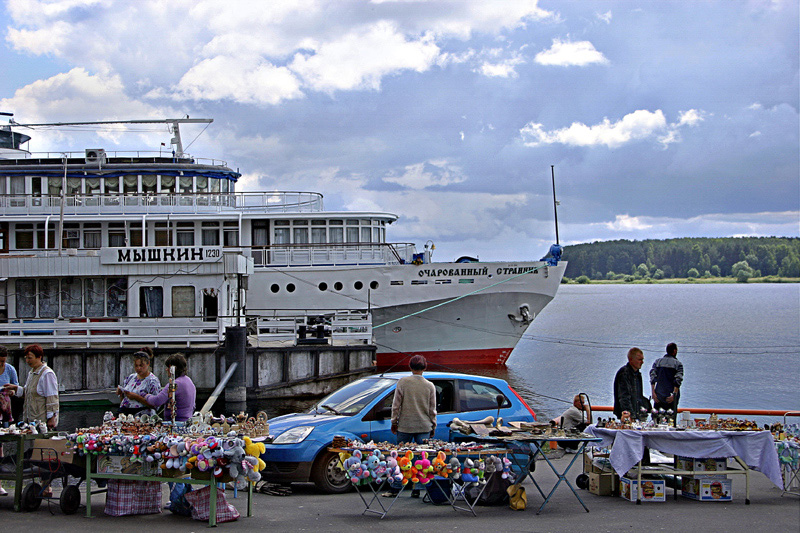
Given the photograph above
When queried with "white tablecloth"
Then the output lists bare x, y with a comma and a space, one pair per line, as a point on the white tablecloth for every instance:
755, 448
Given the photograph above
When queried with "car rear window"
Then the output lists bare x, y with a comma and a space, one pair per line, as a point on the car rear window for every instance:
477, 396
352, 398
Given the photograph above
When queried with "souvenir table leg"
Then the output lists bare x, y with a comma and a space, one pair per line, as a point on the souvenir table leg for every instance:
525, 470
563, 475
376, 498
459, 492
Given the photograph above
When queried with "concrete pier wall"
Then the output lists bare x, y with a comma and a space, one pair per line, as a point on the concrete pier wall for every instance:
284, 372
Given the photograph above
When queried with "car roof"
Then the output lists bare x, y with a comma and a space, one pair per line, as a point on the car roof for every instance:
438, 375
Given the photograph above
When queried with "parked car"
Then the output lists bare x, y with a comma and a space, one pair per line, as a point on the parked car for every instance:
362, 411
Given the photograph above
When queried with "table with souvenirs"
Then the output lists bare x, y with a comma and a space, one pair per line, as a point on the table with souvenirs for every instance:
14, 468
139, 453
528, 441
707, 442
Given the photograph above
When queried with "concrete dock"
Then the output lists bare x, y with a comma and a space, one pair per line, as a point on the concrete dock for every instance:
308, 510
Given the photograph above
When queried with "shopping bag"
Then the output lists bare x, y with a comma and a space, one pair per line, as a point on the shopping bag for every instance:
201, 505
178, 503
517, 499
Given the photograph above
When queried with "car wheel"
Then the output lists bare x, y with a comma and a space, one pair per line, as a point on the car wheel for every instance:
328, 475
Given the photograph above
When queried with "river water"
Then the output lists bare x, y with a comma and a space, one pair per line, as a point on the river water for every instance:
739, 344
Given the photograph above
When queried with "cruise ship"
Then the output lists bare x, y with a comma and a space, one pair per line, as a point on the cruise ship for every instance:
131, 248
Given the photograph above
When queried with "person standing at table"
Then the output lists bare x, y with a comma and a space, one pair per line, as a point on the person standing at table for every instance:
185, 392
142, 382
414, 408
8, 374
628, 391
666, 378
40, 391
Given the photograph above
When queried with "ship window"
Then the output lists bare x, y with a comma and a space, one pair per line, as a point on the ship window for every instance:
149, 183
23, 236
117, 290
336, 235
111, 185
95, 297
366, 234
36, 186
336, 222
167, 184
358, 285
373, 285
230, 233
163, 234
3, 184
323, 286
301, 235
202, 184
130, 185
318, 235
210, 233
26, 298
151, 301
281, 236
73, 186
214, 185
72, 236
92, 186
352, 234
135, 233
338, 286
185, 234
71, 291
290, 287
116, 235
182, 301
376, 234
48, 298
225, 185
91, 236
274, 287
18, 185
185, 183
51, 237
352, 222
54, 186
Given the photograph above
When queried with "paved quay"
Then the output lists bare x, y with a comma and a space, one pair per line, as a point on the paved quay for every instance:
308, 510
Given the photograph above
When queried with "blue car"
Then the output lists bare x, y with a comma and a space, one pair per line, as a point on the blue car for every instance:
362, 411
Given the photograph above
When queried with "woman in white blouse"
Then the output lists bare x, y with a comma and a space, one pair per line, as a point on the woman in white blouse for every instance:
40, 390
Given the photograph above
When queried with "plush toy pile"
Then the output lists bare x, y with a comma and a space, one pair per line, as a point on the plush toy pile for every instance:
365, 466
232, 456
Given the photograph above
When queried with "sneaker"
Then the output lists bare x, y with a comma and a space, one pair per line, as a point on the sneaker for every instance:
389, 494
3, 492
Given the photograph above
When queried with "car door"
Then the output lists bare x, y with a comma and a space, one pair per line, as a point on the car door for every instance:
478, 399
379, 418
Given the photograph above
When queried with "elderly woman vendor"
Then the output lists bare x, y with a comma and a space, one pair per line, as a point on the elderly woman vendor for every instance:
184, 392
142, 382
40, 390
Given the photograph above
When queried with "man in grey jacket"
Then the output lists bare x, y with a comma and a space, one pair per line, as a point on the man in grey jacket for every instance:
414, 405
666, 377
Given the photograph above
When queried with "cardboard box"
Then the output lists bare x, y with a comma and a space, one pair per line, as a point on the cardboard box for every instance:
121, 464
597, 463
653, 490
707, 490
55, 450
706, 465
603, 484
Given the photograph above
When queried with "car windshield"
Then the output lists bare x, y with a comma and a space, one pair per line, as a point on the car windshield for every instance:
352, 398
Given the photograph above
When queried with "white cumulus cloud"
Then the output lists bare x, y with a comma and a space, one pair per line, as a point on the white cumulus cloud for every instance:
436, 173
566, 53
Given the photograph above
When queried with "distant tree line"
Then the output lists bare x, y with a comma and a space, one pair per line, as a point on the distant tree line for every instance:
739, 257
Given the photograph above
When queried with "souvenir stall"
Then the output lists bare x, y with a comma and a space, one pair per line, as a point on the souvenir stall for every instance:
787, 445
701, 451
142, 452
454, 474
527, 441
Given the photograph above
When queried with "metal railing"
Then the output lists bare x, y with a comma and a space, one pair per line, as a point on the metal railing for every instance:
162, 203
118, 157
332, 254
341, 327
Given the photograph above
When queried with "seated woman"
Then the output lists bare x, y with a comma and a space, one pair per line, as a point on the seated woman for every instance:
185, 392
142, 382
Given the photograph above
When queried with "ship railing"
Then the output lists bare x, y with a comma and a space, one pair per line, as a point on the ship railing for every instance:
332, 254
160, 203
292, 327
113, 330
302, 327
116, 157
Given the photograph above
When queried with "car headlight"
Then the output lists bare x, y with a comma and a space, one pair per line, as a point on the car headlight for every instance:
294, 435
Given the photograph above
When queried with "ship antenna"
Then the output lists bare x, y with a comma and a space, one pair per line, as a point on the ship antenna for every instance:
555, 203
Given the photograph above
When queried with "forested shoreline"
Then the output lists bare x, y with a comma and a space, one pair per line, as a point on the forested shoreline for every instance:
737, 257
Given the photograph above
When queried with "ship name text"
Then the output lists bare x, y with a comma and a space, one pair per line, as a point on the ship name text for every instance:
161, 254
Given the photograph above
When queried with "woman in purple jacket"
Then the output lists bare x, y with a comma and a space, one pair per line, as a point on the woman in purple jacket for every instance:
185, 392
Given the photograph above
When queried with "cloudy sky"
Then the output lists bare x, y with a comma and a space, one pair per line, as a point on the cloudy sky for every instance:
663, 119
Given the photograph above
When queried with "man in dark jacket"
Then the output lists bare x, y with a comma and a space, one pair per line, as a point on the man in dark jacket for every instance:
628, 392
666, 377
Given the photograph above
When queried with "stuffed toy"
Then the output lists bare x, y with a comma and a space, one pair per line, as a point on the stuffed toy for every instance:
255, 449
480, 464
424, 469
507, 473
439, 465
454, 468
469, 473
406, 466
